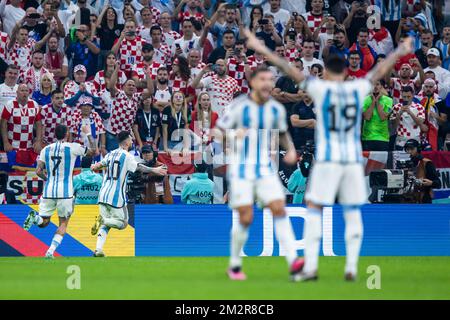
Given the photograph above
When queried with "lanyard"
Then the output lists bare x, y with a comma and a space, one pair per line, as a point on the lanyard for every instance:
148, 121
178, 119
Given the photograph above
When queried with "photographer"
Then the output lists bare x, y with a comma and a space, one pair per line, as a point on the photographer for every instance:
299, 178
200, 189
425, 172
156, 189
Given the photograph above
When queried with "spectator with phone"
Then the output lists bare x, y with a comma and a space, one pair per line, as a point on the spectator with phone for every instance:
232, 22
269, 33
227, 48
280, 16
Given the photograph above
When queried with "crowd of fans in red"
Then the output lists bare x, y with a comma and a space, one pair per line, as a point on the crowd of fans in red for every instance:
152, 67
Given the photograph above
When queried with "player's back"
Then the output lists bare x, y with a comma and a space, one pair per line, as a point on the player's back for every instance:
251, 155
338, 108
59, 159
119, 163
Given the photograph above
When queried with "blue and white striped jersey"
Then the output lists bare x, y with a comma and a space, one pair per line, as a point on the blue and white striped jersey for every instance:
250, 155
119, 163
338, 108
392, 12
444, 47
59, 159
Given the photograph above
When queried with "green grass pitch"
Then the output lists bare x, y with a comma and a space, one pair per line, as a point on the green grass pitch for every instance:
204, 278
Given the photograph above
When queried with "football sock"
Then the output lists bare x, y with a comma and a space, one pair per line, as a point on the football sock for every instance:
312, 234
285, 236
353, 237
101, 237
38, 220
56, 241
239, 236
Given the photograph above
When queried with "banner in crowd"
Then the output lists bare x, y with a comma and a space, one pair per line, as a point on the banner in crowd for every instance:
28, 187
204, 230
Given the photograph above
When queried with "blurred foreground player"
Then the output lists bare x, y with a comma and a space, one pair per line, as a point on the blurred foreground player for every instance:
112, 198
338, 171
251, 123
55, 167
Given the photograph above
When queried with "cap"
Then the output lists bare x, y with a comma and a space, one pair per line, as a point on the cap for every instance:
79, 67
85, 101
411, 143
147, 149
147, 47
434, 52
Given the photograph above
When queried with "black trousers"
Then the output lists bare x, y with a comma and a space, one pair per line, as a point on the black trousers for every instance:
374, 145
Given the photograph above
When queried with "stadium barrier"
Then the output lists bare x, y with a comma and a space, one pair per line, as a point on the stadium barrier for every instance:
159, 230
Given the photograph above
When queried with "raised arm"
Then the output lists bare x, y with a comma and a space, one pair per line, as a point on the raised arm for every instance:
113, 80
257, 46
382, 68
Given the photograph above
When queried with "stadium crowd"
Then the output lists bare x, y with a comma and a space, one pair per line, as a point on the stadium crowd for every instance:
152, 67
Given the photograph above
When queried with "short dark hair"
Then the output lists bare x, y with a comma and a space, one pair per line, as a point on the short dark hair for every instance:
60, 131
56, 91
122, 136
309, 40
86, 162
155, 27
161, 69
364, 30
201, 167
353, 52
335, 64
12, 66
259, 69
240, 42
228, 31
407, 89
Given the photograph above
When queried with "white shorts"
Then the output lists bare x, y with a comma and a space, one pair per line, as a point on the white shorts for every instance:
109, 212
264, 190
329, 180
64, 207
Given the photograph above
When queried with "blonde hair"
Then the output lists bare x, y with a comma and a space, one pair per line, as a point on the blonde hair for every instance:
183, 107
200, 114
52, 80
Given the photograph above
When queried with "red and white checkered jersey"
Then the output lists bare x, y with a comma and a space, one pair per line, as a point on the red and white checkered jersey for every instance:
140, 71
178, 84
100, 83
314, 22
237, 71
407, 127
130, 52
221, 91
186, 15
255, 61
292, 54
123, 112
51, 118
169, 37
71, 88
21, 56
4, 41
196, 70
155, 15
162, 55
21, 120
94, 121
397, 87
32, 78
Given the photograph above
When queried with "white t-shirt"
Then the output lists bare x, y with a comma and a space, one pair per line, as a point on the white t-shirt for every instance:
443, 79
10, 16
7, 94
323, 39
307, 64
186, 45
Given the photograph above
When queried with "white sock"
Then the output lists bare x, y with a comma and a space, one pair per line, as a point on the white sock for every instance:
312, 234
101, 237
239, 236
353, 237
38, 220
113, 223
56, 241
286, 238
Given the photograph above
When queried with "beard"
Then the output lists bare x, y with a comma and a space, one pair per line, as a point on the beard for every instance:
163, 81
148, 58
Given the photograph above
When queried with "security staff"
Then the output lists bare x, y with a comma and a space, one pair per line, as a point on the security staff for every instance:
200, 189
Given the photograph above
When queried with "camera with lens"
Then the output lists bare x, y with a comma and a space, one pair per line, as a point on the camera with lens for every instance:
135, 187
292, 34
307, 153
